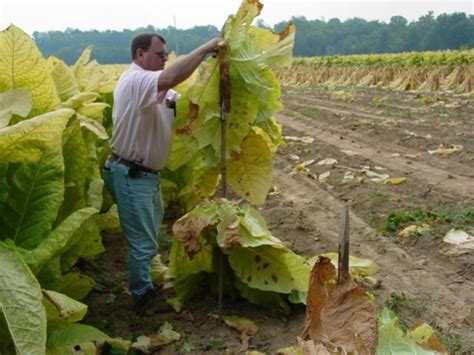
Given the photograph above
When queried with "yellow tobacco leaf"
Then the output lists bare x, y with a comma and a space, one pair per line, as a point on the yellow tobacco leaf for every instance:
444, 151
414, 230
64, 79
93, 110
394, 181
23, 66
250, 173
14, 101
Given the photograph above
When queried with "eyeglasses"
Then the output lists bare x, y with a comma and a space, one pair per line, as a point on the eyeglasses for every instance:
162, 54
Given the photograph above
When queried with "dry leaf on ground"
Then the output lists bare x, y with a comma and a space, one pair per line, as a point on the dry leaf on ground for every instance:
245, 326
339, 316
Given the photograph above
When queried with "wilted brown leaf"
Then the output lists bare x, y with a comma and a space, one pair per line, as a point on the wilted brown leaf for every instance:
187, 230
339, 316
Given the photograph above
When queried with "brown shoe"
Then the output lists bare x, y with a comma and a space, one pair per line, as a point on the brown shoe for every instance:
151, 303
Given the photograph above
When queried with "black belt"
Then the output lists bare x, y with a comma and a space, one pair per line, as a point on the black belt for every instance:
131, 164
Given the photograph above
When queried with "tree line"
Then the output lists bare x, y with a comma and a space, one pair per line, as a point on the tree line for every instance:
313, 37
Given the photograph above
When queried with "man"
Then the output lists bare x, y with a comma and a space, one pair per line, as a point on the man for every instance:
140, 145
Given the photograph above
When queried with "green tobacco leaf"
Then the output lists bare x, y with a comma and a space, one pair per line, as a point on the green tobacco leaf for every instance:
270, 269
75, 170
273, 48
20, 304
68, 339
63, 76
189, 273
265, 49
159, 272
207, 127
76, 285
204, 93
393, 340
35, 193
239, 120
109, 220
242, 227
181, 264
200, 179
87, 243
186, 287
237, 26
50, 276
251, 133
271, 127
272, 300
61, 308
94, 192
27, 140
297, 297
94, 182
183, 149
59, 240
250, 173
23, 66
14, 102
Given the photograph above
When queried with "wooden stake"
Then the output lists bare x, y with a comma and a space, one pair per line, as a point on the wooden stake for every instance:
224, 195
224, 101
343, 252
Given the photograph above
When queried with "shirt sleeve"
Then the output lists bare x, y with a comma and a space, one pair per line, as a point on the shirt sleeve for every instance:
145, 88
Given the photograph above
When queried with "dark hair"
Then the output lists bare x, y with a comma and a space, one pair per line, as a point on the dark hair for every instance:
143, 41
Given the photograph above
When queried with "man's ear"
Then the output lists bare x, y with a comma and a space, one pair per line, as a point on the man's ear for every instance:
139, 53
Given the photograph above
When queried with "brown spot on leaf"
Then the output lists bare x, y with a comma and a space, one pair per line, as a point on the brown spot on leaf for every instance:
258, 258
183, 131
193, 111
234, 155
274, 278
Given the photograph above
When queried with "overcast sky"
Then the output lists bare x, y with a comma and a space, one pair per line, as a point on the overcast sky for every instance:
48, 15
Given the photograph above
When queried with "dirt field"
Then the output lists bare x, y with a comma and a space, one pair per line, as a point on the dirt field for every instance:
366, 131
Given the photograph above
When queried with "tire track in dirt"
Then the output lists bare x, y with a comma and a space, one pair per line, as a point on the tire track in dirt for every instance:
446, 303
342, 108
343, 112
406, 97
460, 183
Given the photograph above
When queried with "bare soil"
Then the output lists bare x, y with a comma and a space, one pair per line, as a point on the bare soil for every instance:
383, 131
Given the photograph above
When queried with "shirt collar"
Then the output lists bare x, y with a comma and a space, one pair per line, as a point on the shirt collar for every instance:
135, 66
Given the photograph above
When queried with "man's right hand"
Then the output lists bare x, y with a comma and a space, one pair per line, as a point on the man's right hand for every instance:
185, 66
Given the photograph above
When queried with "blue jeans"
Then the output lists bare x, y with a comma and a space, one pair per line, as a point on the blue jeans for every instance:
141, 212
